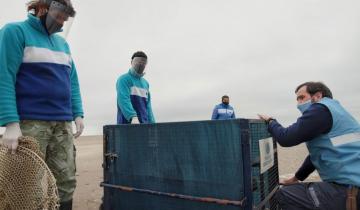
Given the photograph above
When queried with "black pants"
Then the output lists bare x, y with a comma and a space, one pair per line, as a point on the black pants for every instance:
314, 195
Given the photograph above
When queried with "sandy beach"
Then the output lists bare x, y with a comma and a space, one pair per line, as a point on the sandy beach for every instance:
89, 170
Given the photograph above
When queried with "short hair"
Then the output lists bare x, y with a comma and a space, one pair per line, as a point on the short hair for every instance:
224, 96
140, 54
36, 5
314, 87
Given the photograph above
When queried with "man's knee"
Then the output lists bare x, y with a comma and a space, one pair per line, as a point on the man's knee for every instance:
293, 197
280, 196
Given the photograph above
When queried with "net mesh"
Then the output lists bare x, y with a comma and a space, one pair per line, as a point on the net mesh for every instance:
25, 180
263, 183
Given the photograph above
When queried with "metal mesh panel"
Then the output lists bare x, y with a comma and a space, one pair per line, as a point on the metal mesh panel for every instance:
263, 184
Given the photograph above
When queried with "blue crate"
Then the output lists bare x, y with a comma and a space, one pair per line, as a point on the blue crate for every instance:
186, 165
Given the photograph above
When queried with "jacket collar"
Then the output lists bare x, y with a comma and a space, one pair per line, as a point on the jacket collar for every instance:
36, 23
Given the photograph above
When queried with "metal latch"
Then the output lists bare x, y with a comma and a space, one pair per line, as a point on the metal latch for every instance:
111, 156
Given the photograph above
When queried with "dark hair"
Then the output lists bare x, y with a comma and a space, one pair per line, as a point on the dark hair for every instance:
37, 5
139, 54
224, 96
314, 87
69, 7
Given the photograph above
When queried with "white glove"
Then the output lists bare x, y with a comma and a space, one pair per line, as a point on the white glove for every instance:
79, 122
135, 120
11, 135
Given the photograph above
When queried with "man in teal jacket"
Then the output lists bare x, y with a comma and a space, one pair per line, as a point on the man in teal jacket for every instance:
40, 94
133, 96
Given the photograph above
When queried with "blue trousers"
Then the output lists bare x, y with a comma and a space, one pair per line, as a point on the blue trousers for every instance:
314, 195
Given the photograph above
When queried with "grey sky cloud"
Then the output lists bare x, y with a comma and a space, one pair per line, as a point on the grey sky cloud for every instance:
257, 52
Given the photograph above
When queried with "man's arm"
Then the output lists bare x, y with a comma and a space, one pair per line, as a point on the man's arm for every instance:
305, 170
233, 114
214, 114
77, 108
11, 55
315, 121
76, 101
123, 99
149, 110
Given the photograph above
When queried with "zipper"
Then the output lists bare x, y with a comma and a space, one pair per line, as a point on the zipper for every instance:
314, 196
50, 40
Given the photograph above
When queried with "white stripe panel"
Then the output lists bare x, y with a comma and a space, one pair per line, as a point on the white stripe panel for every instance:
221, 111
139, 92
43, 55
225, 111
345, 139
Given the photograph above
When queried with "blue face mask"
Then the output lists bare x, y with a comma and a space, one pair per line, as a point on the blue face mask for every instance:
304, 106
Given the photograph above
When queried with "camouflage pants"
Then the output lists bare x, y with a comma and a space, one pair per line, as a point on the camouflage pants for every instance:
57, 143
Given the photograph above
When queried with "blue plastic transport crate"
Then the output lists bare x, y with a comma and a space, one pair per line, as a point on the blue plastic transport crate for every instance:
212, 165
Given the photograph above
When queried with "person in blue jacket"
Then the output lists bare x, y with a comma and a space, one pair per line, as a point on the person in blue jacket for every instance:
223, 111
39, 89
133, 95
332, 136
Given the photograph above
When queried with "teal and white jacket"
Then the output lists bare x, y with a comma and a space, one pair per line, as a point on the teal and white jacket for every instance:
133, 99
38, 79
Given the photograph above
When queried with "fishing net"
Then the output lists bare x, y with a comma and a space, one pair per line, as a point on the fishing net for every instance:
26, 183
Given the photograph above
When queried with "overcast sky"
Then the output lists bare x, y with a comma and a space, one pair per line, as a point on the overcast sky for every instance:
256, 51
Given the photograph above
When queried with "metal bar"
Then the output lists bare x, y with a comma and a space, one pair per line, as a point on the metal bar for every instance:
276, 158
174, 195
106, 166
256, 121
266, 199
246, 156
262, 186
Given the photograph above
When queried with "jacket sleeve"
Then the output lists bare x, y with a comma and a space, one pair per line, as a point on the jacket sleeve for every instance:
149, 110
123, 99
233, 115
214, 114
315, 121
76, 101
11, 54
305, 170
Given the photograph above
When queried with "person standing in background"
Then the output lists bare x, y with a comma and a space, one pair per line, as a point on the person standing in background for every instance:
133, 95
223, 111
